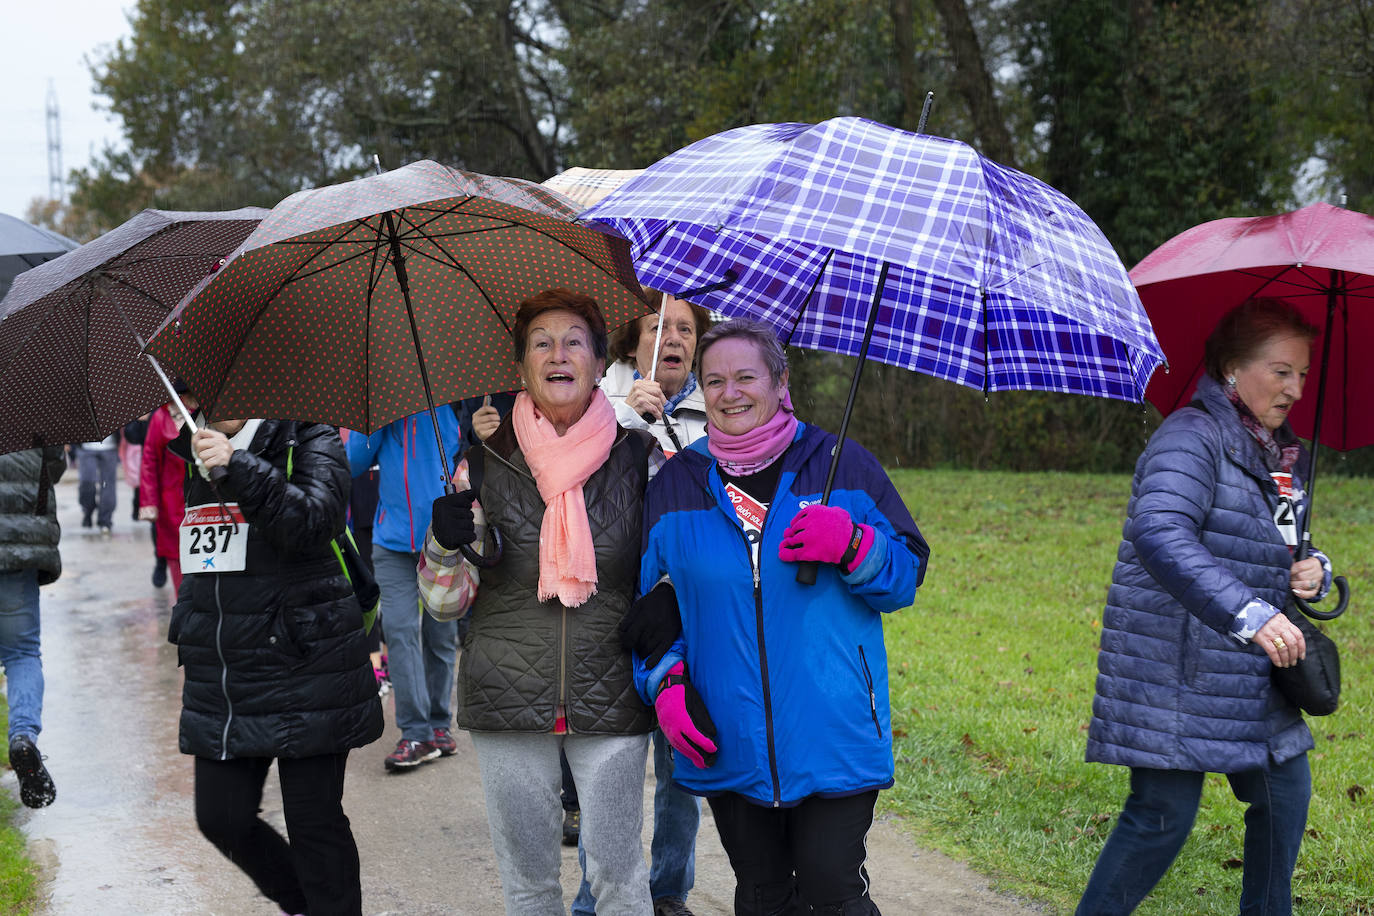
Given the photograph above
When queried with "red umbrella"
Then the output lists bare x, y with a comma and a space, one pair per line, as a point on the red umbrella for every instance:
1320, 259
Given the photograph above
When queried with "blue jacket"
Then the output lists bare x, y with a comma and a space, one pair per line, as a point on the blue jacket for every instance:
795, 677
1175, 690
412, 476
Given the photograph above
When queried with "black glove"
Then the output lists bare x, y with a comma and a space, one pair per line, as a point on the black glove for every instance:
652, 624
452, 522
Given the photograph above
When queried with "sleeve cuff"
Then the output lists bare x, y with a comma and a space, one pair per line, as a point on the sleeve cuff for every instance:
658, 672
1251, 618
872, 562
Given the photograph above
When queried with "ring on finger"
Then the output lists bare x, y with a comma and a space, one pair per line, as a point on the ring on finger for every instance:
1279, 643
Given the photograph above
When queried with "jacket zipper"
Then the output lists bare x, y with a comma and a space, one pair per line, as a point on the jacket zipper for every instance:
563, 622
223, 675
562, 672
407, 446
872, 697
763, 649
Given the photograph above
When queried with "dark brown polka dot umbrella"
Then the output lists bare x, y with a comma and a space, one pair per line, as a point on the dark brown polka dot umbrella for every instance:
72, 329
359, 303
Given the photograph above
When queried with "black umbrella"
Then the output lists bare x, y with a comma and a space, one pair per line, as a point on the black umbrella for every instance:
72, 330
24, 245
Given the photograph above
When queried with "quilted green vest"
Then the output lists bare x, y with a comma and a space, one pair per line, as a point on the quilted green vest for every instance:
523, 657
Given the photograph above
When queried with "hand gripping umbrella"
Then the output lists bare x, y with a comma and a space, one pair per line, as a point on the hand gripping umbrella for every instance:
72, 330
1319, 259
359, 303
857, 238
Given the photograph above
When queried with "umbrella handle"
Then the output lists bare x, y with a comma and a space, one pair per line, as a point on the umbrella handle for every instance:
490, 557
1342, 589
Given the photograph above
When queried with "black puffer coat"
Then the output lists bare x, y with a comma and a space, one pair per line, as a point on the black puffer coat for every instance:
28, 512
276, 660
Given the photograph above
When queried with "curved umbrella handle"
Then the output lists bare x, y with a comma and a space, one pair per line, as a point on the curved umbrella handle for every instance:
489, 557
1342, 589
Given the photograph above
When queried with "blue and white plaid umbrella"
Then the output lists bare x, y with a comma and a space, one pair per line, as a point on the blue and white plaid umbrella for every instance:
987, 276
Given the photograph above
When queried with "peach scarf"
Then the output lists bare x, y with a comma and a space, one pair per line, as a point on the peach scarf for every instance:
561, 465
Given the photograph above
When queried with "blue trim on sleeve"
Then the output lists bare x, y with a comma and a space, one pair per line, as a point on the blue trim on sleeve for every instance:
873, 561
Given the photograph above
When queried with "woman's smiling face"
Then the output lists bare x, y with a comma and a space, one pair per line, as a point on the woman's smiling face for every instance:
739, 392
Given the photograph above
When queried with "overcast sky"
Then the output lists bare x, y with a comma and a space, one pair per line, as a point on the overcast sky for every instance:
48, 40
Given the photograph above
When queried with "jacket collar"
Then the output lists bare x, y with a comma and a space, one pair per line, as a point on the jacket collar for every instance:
1241, 447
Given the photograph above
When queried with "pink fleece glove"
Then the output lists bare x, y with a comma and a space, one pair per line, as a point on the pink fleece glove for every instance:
683, 717
825, 534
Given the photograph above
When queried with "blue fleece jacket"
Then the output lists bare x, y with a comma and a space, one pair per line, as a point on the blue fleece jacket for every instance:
412, 475
795, 677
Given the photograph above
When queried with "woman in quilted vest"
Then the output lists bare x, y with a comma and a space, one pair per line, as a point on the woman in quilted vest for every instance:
542, 668
1193, 625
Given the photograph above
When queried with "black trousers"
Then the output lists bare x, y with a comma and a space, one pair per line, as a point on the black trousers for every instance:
316, 872
801, 860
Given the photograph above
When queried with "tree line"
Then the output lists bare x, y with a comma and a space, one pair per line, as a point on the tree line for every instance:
1152, 116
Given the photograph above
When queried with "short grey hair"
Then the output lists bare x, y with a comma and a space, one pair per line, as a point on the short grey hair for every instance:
756, 332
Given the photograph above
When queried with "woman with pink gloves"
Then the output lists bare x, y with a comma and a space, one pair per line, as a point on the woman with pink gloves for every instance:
542, 668
774, 693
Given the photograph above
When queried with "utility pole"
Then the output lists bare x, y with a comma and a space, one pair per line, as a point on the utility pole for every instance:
56, 190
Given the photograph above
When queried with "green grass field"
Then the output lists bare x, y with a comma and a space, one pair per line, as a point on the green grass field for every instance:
992, 685
18, 883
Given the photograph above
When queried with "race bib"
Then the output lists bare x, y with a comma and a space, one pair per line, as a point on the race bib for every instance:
1286, 512
751, 514
214, 538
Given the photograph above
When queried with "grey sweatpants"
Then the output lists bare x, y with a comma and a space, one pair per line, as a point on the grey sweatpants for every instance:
521, 779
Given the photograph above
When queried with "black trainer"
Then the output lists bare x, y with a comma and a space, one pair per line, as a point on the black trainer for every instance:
35, 784
160, 572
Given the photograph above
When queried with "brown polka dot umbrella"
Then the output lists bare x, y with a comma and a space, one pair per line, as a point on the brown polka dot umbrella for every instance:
71, 330
359, 303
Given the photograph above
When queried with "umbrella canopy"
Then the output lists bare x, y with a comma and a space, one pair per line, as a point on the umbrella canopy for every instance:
589, 186
360, 303
993, 279
24, 245
71, 330
1319, 259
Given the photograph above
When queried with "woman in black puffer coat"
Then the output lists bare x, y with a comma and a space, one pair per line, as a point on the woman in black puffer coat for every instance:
271, 637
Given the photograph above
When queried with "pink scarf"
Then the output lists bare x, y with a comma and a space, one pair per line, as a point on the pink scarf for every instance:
751, 452
561, 465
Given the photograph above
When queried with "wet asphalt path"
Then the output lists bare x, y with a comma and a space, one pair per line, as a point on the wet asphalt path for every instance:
121, 837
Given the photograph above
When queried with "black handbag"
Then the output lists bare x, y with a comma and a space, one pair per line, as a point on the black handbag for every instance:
1313, 684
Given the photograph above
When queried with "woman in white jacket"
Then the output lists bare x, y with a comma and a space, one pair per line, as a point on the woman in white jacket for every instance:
641, 403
